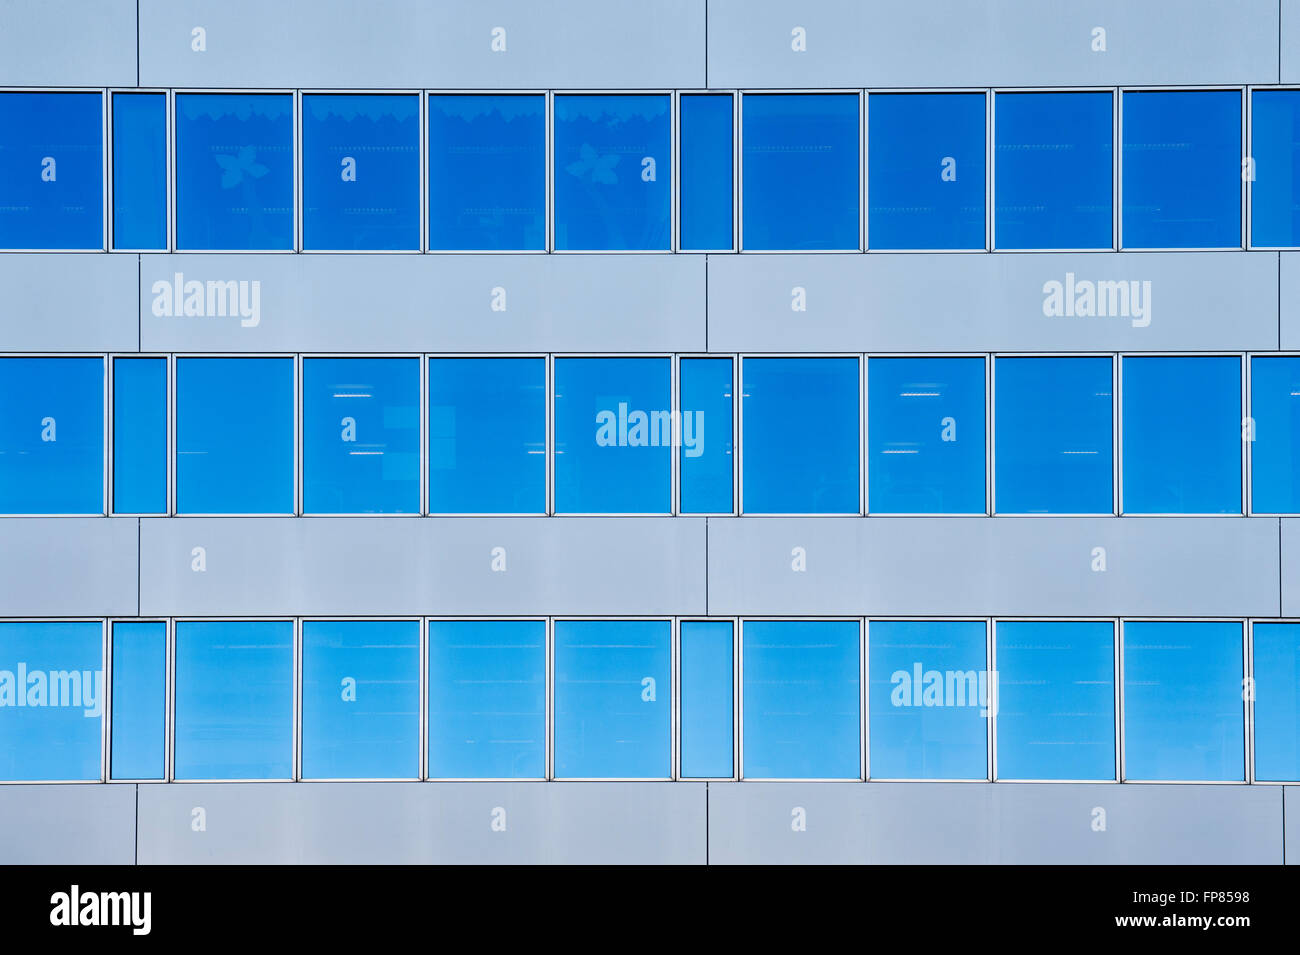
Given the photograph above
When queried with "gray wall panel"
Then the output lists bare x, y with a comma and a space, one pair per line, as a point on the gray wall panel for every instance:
67, 42
1292, 814
67, 825
1290, 45
1289, 578
68, 566
69, 302
1289, 300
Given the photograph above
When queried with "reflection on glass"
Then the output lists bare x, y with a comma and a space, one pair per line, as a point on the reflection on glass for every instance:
706, 453
140, 435
139, 699
706, 171
140, 170
706, 709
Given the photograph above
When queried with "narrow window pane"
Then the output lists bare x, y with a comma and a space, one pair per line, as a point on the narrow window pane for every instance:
1275, 147
801, 422
487, 699
706, 680
706, 171
1277, 701
1183, 716
234, 699
140, 170
487, 435
612, 699
929, 699
51, 700
139, 699
707, 452
801, 171
926, 433
487, 172
802, 718
613, 167
51, 435
1275, 452
140, 435
360, 699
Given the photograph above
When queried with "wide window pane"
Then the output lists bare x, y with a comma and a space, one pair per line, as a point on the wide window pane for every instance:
706, 681
1275, 452
140, 435
139, 699
1275, 147
140, 170
707, 452
1277, 701
706, 171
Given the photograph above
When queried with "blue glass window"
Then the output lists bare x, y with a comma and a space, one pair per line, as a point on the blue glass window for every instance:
1183, 710
140, 170
51, 435
51, 171
1277, 701
139, 699
1182, 169
140, 435
706, 682
234, 171
707, 452
1182, 435
1053, 170
800, 434
487, 699
1275, 147
613, 708
613, 435
926, 435
234, 435
706, 171
613, 167
930, 693
925, 169
1053, 432
51, 700
487, 172
801, 171
487, 435
1275, 452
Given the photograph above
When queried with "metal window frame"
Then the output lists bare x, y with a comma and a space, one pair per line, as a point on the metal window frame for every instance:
679, 693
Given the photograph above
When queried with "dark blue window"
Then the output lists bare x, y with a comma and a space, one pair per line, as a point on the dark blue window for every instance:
1275, 147
140, 435
706, 681
139, 699
1275, 452
1277, 701
707, 451
706, 171
140, 170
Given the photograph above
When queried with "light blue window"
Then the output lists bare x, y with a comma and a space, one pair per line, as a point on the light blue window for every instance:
1182, 169
1053, 430
487, 435
1182, 435
1053, 170
801, 171
613, 699
140, 435
361, 171
139, 699
930, 692
360, 699
1277, 701
706, 681
1183, 716
925, 169
361, 435
51, 700
1275, 147
487, 172
1275, 452
706, 171
51, 171
51, 435
234, 699
801, 696
234, 435
234, 171
140, 170
1055, 699
707, 452
613, 435
487, 699
800, 434
926, 435
613, 168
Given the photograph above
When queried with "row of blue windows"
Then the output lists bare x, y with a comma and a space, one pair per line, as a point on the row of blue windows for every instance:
931, 692
1182, 165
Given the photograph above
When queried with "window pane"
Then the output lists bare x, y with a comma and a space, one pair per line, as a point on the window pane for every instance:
1277, 701
1275, 452
612, 172
140, 435
51, 171
706, 681
487, 172
234, 435
707, 451
234, 699
1053, 170
361, 171
706, 172
234, 171
1183, 701
926, 434
801, 171
1275, 147
361, 435
140, 170
139, 700
612, 699
487, 435
929, 699
1182, 435
612, 435
1055, 699
926, 170
51, 435
487, 699
1052, 426
801, 422
51, 700
1182, 169
802, 718
360, 699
